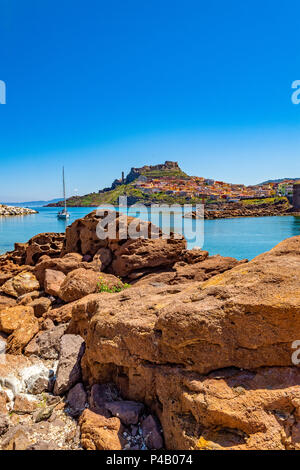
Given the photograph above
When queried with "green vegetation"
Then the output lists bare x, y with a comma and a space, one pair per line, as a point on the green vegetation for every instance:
134, 196
268, 200
104, 287
179, 174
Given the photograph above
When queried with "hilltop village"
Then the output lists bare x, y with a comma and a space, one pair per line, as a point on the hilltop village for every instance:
169, 184
151, 180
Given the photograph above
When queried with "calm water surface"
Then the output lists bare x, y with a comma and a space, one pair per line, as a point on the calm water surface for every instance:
240, 238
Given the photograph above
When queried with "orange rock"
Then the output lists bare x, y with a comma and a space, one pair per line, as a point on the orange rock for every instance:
20, 323
100, 433
82, 282
21, 284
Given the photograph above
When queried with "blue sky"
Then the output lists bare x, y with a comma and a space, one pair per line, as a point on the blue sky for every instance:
103, 86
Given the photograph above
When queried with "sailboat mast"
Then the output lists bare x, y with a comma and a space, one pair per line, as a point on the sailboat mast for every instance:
64, 189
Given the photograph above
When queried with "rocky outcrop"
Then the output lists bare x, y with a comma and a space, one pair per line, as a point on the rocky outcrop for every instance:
29, 253
6, 211
245, 318
49, 244
124, 253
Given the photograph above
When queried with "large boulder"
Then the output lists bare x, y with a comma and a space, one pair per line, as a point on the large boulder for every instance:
143, 254
21, 284
63, 265
129, 249
47, 343
82, 282
49, 244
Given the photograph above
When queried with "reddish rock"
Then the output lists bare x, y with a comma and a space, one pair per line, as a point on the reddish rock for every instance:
100, 395
49, 244
3, 403
64, 265
81, 282
245, 318
26, 299
133, 254
61, 314
4, 424
100, 433
104, 258
53, 281
139, 254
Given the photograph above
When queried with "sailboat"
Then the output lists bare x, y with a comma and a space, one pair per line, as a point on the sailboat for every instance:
64, 214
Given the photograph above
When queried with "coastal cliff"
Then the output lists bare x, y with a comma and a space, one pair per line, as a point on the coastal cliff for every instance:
142, 344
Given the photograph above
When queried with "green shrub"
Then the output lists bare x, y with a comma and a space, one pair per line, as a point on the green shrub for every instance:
104, 287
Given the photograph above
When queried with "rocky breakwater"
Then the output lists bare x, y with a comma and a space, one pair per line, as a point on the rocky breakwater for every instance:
11, 210
232, 210
140, 344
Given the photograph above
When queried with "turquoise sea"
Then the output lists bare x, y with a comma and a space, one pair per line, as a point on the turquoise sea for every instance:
240, 238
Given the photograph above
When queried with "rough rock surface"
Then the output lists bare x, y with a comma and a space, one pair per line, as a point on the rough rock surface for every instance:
127, 411
100, 433
245, 318
81, 282
47, 344
68, 371
49, 244
20, 323
53, 281
127, 255
40, 306
23, 283
64, 265
77, 400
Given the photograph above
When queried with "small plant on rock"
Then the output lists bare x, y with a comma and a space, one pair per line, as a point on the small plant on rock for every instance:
111, 289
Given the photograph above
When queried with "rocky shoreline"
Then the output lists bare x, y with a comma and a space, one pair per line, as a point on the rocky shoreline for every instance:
141, 344
233, 210
6, 211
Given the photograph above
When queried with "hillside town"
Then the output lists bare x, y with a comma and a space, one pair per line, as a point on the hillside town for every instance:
200, 187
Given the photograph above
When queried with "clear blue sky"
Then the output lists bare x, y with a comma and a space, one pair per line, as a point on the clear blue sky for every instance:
101, 86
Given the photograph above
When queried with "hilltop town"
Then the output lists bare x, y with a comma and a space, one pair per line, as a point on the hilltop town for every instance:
168, 183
